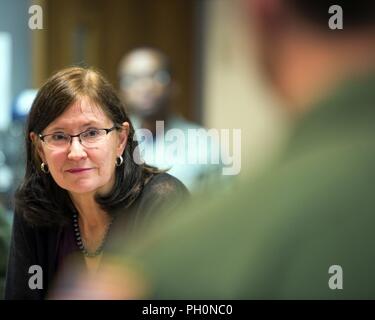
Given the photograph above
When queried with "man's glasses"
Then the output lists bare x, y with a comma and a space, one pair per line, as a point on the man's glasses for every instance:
88, 138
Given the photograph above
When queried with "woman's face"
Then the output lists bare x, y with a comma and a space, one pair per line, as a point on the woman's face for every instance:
78, 169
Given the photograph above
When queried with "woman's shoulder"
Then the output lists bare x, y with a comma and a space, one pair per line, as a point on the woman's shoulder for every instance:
165, 184
162, 189
162, 193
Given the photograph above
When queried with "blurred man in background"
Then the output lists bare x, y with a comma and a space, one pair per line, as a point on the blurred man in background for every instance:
304, 230
147, 85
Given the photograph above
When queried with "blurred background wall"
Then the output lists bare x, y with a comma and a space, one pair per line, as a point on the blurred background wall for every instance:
13, 25
99, 32
235, 94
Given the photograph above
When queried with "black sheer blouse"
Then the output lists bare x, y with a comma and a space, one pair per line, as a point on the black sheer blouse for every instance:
50, 247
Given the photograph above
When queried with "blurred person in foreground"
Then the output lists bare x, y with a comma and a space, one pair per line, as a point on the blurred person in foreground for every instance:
304, 229
82, 182
148, 88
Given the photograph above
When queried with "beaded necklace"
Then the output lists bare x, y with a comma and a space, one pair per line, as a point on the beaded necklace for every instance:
79, 239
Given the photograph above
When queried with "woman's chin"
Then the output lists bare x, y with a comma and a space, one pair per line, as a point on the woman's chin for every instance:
82, 189
88, 188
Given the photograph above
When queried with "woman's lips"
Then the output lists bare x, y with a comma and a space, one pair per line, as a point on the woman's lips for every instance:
78, 170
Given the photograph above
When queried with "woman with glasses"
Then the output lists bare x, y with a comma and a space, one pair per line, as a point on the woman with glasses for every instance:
83, 179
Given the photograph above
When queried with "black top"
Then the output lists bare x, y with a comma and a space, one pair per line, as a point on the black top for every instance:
47, 246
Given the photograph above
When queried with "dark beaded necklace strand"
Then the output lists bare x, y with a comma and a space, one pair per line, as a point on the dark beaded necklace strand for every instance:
79, 239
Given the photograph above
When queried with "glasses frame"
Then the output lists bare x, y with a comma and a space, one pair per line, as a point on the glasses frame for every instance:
107, 130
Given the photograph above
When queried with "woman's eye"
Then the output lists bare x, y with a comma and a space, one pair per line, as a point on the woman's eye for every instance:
58, 137
91, 133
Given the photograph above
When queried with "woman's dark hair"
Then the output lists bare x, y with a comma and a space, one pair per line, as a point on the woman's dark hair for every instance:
39, 198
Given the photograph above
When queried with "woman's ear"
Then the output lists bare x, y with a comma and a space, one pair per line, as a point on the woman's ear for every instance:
35, 141
123, 138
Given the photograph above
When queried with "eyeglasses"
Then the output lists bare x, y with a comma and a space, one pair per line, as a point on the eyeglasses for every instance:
162, 77
88, 138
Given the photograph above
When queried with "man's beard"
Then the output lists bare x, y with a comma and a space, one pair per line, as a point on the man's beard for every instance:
159, 107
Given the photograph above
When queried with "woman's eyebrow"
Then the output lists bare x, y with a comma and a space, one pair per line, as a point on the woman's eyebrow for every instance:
86, 124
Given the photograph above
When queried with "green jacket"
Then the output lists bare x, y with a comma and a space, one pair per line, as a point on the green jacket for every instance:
277, 237
4, 246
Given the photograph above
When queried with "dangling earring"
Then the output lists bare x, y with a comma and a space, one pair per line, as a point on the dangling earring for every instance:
44, 168
119, 161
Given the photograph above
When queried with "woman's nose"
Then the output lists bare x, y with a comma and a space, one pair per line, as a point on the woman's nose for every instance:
76, 150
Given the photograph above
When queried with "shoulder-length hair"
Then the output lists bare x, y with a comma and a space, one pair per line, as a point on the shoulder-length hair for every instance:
39, 199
